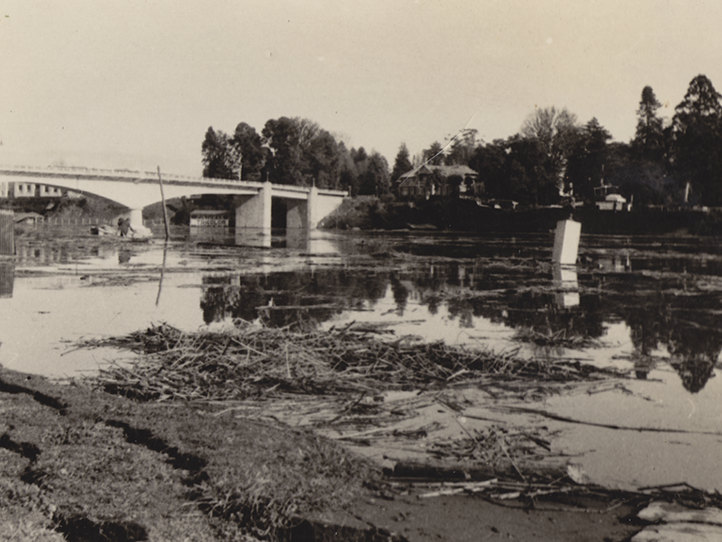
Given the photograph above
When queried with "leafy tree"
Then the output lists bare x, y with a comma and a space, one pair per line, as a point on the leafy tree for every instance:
586, 163
249, 153
282, 137
218, 159
434, 155
348, 178
489, 161
514, 169
697, 142
301, 153
359, 163
321, 158
556, 131
359, 156
373, 173
462, 148
529, 180
402, 164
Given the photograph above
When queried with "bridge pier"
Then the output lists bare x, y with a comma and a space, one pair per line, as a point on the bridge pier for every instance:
312, 209
255, 212
136, 219
296, 214
303, 214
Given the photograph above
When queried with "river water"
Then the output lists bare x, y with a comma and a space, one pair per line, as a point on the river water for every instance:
650, 306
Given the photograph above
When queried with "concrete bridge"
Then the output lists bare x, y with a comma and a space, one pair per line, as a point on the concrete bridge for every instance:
138, 189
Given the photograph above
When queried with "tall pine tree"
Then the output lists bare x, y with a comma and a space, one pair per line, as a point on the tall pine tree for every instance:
697, 142
648, 142
402, 164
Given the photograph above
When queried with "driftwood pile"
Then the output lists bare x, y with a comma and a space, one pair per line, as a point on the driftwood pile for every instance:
251, 362
242, 368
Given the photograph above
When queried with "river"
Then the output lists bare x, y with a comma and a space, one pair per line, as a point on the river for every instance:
650, 306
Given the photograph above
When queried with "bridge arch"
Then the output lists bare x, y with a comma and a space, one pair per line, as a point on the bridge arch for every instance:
136, 190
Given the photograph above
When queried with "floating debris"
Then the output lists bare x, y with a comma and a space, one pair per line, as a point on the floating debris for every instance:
260, 362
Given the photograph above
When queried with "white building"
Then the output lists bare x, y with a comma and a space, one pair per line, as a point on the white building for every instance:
29, 190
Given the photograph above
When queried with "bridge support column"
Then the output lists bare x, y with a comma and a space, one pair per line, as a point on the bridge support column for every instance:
256, 211
303, 214
136, 218
296, 214
312, 209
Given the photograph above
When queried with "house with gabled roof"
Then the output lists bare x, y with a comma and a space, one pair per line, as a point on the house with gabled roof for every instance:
429, 180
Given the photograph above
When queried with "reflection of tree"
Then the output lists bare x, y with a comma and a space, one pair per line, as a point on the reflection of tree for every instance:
538, 312
694, 373
309, 296
659, 312
464, 310
649, 320
432, 303
694, 353
687, 325
219, 297
401, 295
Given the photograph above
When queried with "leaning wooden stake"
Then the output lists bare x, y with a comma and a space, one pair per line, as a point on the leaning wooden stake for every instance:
165, 212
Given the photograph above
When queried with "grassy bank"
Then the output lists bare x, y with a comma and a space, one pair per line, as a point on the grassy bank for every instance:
84, 463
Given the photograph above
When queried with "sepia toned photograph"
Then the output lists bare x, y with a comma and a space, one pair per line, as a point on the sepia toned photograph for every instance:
373, 271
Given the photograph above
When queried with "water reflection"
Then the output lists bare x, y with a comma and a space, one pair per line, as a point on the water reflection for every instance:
617, 263
300, 299
124, 256
254, 237
552, 302
309, 242
566, 285
7, 278
41, 254
664, 293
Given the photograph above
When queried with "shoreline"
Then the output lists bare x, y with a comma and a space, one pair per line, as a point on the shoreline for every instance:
92, 461
80, 462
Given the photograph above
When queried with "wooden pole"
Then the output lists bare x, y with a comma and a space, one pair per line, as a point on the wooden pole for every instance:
162, 272
165, 212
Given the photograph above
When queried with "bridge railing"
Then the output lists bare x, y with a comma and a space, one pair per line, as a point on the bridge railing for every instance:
151, 176
66, 171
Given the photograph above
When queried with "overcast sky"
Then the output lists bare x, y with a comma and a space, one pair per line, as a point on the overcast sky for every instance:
136, 84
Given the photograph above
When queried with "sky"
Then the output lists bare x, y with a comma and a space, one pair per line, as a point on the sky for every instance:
135, 84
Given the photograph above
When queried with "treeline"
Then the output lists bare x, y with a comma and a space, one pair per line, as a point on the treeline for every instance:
293, 151
669, 161
552, 157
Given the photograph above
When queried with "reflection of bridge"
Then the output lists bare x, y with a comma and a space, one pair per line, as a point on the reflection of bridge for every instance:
137, 189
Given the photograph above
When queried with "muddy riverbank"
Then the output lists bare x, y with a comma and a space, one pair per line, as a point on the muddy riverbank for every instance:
80, 464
